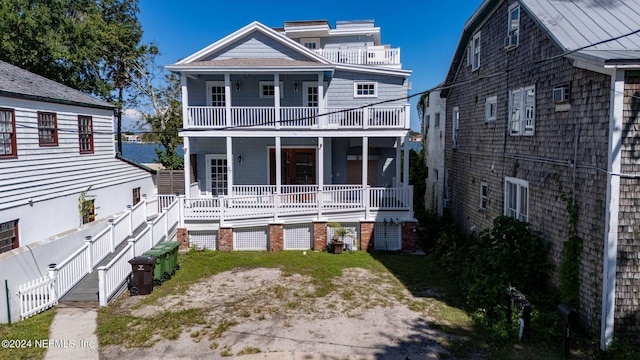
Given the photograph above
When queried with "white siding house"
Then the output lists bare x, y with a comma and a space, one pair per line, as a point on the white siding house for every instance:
56, 143
433, 142
298, 125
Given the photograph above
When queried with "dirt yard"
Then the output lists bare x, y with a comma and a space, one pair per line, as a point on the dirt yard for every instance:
261, 310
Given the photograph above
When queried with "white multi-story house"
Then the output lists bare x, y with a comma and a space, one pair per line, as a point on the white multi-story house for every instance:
288, 129
56, 150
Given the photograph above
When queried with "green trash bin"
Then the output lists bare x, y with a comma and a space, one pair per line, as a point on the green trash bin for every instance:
172, 254
160, 273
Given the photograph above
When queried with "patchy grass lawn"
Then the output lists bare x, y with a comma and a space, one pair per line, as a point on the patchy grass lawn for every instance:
34, 328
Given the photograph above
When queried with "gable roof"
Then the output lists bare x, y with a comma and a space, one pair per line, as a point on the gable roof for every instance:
577, 25
583, 29
20, 83
198, 60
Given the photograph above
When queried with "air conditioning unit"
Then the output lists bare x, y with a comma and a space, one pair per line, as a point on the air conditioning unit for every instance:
561, 94
511, 41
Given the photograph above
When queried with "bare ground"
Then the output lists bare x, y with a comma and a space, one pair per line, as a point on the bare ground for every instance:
262, 310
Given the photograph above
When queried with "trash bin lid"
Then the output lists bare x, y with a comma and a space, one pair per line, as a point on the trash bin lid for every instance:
159, 253
142, 260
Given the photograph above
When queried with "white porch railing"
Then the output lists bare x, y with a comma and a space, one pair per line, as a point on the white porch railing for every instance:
366, 56
298, 117
41, 294
253, 117
252, 201
111, 277
390, 117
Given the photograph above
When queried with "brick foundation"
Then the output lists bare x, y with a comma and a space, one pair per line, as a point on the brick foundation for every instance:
409, 236
319, 236
183, 238
276, 237
366, 236
225, 239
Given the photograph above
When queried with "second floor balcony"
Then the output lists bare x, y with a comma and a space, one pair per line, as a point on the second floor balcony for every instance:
252, 117
372, 55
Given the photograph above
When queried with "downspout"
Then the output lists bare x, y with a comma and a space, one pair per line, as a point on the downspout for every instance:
186, 146
612, 210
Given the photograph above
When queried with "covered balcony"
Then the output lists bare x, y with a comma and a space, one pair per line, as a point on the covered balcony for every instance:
212, 117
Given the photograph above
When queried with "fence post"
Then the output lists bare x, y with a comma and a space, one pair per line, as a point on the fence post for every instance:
181, 204
112, 235
129, 211
133, 247
89, 244
319, 201
151, 240
53, 275
102, 286
146, 204
366, 199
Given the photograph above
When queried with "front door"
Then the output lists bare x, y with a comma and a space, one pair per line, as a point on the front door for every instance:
298, 166
217, 182
310, 94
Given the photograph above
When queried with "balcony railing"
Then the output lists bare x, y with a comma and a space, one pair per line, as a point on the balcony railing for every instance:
208, 117
368, 56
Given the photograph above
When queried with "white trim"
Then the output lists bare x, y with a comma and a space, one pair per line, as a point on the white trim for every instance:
475, 49
368, 83
254, 26
305, 92
455, 126
209, 85
520, 184
488, 116
269, 83
519, 118
616, 122
483, 196
311, 40
208, 179
513, 38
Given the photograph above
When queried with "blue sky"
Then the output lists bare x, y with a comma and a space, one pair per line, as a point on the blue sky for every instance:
427, 31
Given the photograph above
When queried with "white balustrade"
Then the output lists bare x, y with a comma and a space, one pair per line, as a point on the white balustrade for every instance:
298, 117
253, 117
206, 116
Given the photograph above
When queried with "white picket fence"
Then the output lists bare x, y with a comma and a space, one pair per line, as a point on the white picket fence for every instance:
36, 296
43, 293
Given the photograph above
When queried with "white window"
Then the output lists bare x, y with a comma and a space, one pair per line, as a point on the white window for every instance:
311, 43
268, 89
455, 123
365, 89
522, 111
484, 196
474, 53
436, 120
215, 93
516, 198
513, 27
490, 108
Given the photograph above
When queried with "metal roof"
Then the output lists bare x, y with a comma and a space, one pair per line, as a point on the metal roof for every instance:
577, 24
20, 83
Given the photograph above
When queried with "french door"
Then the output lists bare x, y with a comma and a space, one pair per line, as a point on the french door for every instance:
217, 182
298, 166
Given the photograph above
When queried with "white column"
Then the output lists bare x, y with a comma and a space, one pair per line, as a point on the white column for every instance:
398, 150
320, 164
187, 165
227, 99
405, 165
230, 165
185, 101
278, 155
276, 98
322, 121
365, 161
